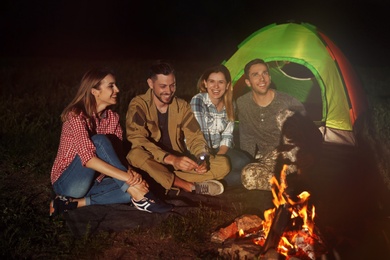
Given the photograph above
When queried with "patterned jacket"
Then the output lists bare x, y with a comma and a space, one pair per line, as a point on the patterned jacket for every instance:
142, 127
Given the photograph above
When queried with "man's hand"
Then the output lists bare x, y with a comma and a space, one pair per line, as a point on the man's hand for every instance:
185, 164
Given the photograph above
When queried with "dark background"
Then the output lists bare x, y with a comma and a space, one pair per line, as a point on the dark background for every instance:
183, 29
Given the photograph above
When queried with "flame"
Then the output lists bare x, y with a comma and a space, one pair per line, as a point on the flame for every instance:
241, 232
301, 213
284, 246
278, 189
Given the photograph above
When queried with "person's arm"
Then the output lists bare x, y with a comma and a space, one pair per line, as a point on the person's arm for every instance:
223, 149
245, 135
296, 106
226, 138
199, 109
195, 141
118, 128
87, 151
101, 166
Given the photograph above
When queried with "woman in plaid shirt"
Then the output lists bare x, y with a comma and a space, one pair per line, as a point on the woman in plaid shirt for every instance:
214, 110
87, 169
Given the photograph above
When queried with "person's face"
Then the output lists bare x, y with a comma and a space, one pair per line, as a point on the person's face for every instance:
216, 85
106, 95
163, 88
259, 79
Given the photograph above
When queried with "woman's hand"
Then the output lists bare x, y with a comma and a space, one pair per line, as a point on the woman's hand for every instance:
138, 186
134, 178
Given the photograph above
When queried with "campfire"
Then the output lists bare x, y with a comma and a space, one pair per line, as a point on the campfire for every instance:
287, 229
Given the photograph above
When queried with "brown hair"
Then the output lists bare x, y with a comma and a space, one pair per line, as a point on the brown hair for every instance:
160, 67
84, 101
228, 96
251, 63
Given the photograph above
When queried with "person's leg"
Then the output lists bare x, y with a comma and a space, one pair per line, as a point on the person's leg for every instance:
75, 181
219, 168
78, 181
257, 176
106, 152
112, 190
143, 160
71, 187
238, 160
106, 192
207, 183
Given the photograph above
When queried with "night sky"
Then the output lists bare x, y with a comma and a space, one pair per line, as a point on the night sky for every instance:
182, 29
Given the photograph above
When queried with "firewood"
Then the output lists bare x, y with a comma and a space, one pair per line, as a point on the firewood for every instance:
278, 226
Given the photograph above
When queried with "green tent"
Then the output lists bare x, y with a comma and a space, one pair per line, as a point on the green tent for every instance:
306, 64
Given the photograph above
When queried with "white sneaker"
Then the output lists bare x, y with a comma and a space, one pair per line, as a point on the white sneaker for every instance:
210, 187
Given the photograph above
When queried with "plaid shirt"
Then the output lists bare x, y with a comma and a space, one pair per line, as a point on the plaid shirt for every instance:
216, 128
76, 139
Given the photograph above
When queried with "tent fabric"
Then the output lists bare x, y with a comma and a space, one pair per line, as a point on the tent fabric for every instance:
333, 96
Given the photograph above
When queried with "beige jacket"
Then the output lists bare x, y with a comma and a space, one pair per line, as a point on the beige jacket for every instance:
142, 127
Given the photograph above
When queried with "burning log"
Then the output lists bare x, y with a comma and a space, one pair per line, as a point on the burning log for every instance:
278, 226
245, 223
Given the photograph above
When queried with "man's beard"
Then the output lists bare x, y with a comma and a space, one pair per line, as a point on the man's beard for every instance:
161, 100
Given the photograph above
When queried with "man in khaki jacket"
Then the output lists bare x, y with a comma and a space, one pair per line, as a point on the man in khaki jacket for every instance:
167, 141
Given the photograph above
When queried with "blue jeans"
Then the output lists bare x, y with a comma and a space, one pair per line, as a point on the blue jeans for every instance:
78, 181
238, 160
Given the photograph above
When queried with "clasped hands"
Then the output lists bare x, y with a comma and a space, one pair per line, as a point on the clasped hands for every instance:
135, 178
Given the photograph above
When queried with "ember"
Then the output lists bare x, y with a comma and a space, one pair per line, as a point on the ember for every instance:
288, 228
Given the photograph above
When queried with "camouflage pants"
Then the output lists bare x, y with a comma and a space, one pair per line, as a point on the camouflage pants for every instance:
257, 175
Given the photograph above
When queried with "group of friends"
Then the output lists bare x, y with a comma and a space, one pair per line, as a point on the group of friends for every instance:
180, 145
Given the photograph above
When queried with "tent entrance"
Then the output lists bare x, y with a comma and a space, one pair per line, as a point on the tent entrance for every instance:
296, 80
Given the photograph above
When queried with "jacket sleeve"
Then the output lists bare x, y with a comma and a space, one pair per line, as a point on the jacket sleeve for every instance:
139, 129
199, 109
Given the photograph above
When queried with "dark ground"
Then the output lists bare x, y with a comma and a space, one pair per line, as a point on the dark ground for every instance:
352, 211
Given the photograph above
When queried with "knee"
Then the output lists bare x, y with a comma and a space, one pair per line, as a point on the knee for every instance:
222, 164
100, 139
256, 176
138, 156
240, 162
76, 190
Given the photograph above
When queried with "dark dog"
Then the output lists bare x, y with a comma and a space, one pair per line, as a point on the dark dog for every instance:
299, 147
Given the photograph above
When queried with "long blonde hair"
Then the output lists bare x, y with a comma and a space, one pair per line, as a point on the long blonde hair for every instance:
84, 101
228, 95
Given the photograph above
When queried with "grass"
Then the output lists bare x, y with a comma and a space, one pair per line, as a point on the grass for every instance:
33, 94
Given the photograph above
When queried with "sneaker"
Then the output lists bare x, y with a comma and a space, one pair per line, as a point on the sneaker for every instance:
210, 187
151, 204
61, 204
